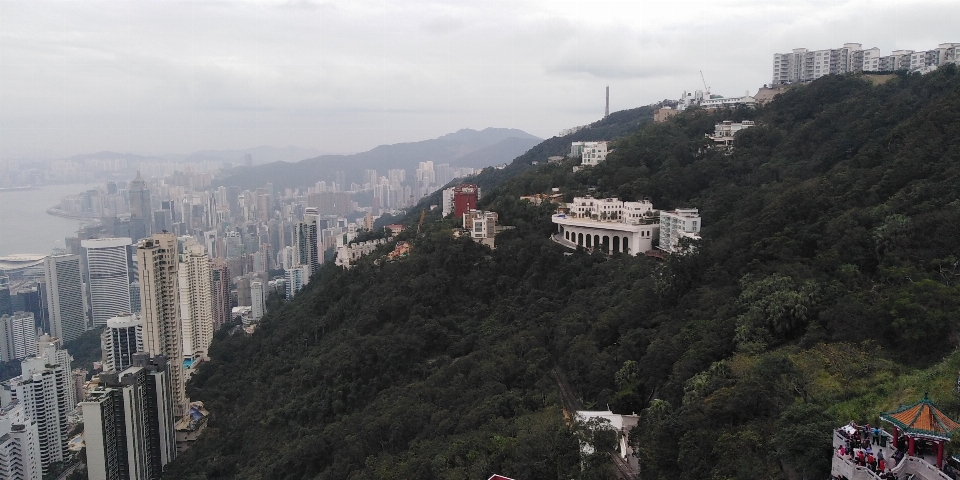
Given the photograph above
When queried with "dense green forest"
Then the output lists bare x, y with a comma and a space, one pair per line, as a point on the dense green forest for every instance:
824, 290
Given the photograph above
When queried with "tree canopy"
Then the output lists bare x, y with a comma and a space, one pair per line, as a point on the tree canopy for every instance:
824, 290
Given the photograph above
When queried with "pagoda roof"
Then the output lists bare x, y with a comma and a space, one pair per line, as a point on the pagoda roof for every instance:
922, 419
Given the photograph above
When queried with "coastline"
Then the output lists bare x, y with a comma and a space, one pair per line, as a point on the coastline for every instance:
17, 189
73, 216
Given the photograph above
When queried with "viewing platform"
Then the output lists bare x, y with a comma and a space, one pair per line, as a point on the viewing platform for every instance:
914, 450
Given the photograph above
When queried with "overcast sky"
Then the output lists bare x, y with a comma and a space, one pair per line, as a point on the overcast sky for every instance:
344, 76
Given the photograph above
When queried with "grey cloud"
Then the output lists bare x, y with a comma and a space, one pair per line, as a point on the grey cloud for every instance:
164, 77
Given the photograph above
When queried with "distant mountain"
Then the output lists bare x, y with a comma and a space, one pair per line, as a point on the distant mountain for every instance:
107, 155
262, 154
464, 148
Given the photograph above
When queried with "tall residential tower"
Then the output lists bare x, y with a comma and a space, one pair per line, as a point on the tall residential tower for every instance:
160, 308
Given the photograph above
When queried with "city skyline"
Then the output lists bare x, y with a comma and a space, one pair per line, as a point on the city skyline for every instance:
361, 74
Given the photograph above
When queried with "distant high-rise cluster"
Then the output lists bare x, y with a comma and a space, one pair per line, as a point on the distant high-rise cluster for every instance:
169, 263
802, 65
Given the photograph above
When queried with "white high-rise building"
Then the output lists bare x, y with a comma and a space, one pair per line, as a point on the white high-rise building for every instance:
19, 444
18, 336
65, 296
196, 304
107, 267
258, 299
122, 338
296, 277
46, 393
157, 261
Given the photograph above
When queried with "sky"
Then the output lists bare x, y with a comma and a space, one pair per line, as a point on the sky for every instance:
157, 77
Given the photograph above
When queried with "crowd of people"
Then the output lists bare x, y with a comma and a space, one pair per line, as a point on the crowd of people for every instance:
863, 448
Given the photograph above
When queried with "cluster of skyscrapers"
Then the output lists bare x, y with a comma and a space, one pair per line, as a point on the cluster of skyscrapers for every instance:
165, 267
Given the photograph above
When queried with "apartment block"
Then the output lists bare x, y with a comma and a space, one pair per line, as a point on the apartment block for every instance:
18, 336
676, 225
19, 444
128, 422
802, 65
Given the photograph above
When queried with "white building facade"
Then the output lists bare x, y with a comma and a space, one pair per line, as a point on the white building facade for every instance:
590, 153
724, 132
109, 273
18, 336
675, 225
196, 303
258, 299
19, 444
802, 65
65, 302
45, 391
348, 254
608, 224
122, 338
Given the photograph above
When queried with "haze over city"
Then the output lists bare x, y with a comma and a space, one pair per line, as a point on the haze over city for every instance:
341, 77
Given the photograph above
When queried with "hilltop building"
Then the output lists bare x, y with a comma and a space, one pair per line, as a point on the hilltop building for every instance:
663, 114
482, 226
724, 132
459, 200
348, 254
802, 65
608, 224
676, 225
708, 101
590, 153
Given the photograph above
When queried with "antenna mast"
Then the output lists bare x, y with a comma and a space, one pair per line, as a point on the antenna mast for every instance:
606, 112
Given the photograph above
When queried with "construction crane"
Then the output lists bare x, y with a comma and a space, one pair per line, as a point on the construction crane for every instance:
706, 89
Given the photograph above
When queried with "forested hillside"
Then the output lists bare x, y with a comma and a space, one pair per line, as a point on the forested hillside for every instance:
824, 290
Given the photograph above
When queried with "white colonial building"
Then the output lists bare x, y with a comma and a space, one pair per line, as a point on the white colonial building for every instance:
608, 224
676, 225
